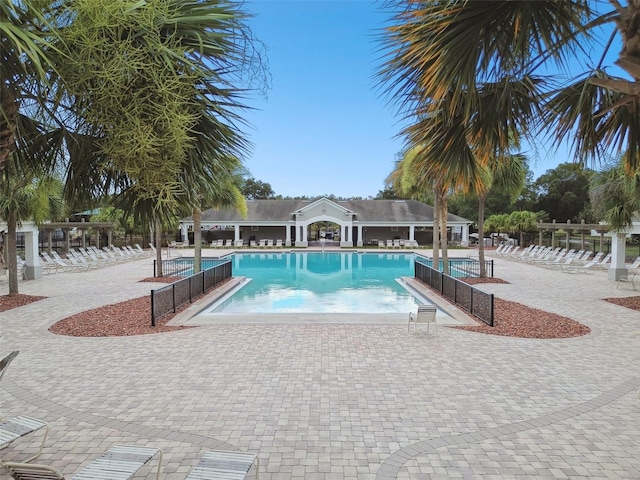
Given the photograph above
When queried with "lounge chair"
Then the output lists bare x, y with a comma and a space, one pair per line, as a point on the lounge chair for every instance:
269, 243
630, 275
118, 463
588, 267
4, 363
505, 250
239, 244
513, 253
500, 248
140, 250
14, 428
102, 256
112, 255
426, 314
279, 243
68, 264
48, 264
263, 243
224, 465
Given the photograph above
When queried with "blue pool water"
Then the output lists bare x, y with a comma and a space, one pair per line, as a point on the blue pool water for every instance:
317, 282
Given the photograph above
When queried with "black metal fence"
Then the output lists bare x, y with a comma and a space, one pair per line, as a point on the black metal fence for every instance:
168, 299
181, 267
468, 267
473, 300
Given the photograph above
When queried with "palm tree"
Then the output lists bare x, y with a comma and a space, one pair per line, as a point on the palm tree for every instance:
411, 180
497, 223
428, 61
521, 221
506, 176
25, 65
25, 196
615, 195
158, 84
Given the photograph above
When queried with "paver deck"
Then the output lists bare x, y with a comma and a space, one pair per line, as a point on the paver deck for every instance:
330, 400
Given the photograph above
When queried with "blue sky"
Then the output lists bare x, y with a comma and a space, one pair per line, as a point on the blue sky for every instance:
325, 127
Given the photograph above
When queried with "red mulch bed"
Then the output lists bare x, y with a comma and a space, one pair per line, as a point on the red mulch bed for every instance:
512, 319
477, 280
629, 302
162, 279
7, 302
132, 317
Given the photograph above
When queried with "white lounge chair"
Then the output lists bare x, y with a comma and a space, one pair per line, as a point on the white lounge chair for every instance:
118, 463
14, 428
224, 465
630, 275
588, 267
279, 243
426, 314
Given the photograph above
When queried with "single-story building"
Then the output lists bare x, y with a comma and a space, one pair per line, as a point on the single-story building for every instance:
361, 222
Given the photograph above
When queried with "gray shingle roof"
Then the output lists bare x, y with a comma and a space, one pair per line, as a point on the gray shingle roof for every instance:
365, 211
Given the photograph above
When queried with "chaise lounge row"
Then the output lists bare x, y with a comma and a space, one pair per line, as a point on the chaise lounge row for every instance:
120, 462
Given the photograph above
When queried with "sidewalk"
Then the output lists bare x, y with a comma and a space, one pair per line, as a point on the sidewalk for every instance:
329, 400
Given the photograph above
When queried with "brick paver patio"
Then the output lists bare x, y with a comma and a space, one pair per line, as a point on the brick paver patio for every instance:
335, 400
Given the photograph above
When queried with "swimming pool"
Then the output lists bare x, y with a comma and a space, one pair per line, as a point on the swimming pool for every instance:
320, 282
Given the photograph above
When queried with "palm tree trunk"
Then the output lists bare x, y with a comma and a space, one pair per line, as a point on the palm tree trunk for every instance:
158, 232
197, 239
7, 124
12, 254
483, 267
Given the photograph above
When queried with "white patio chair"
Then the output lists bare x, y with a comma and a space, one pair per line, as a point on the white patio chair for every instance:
630, 275
426, 314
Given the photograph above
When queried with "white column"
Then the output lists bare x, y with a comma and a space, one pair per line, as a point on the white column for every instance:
184, 233
360, 239
31, 255
618, 244
287, 240
465, 235
236, 236
304, 233
412, 233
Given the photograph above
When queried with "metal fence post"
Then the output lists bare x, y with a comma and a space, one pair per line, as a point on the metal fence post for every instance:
173, 289
153, 307
491, 303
